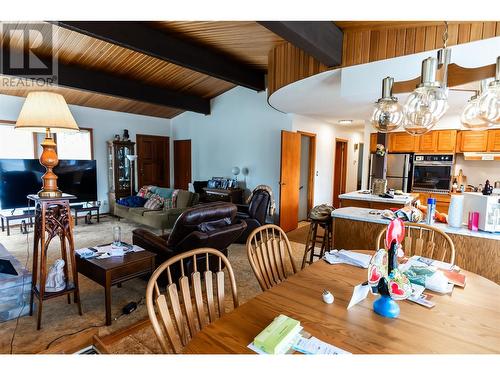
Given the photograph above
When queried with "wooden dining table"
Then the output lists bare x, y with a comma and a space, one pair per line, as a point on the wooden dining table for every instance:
465, 321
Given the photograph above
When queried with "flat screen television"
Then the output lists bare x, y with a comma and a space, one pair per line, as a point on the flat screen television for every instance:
21, 177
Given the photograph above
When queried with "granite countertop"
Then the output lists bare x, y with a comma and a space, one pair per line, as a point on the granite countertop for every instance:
398, 199
363, 214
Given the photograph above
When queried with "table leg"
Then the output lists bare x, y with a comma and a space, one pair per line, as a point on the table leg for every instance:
34, 269
8, 227
97, 215
3, 228
76, 217
107, 294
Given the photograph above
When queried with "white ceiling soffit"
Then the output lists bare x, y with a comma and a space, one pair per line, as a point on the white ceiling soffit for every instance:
349, 93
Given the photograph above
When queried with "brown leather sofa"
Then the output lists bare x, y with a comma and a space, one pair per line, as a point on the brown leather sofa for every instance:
206, 225
254, 214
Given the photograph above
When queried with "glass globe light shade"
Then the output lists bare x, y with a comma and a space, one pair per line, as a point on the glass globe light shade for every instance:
489, 104
470, 116
424, 108
387, 115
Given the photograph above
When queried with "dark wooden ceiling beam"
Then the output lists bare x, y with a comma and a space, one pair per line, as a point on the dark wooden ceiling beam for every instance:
320, 39
140, 37
75, 77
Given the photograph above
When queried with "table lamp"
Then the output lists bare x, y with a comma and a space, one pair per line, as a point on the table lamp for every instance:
47, 112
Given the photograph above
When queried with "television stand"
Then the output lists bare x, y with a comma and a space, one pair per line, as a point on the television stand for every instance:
89, 208
6, 216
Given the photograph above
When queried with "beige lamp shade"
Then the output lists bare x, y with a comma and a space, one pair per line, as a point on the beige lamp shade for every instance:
42, 110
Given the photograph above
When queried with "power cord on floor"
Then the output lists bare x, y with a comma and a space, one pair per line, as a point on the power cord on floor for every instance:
92, 326
22, 290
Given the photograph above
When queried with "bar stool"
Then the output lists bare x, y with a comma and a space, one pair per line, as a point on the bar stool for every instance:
313, 238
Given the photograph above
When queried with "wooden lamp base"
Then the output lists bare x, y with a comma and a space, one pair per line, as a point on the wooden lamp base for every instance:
49, 160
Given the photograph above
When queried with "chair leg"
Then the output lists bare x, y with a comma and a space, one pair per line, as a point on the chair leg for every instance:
307, 247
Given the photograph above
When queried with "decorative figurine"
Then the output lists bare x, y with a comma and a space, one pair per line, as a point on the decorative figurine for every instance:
488, 189
117, 137
384, 277
380, 150
125, 135
56, 280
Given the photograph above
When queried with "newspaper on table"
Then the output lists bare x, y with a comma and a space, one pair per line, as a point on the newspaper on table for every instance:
348, 257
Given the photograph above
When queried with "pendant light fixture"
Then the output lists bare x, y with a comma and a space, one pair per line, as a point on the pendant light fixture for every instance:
470, 117
388, 114
489, 101
429, 102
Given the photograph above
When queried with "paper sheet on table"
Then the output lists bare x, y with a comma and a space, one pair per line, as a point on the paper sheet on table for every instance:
348, 257
359, 293
313, 345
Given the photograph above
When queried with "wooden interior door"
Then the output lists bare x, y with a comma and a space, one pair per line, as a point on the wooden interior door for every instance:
182, 164
339, 171
289, 180
153, 160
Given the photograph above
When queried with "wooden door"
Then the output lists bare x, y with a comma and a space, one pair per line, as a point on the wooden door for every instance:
339, 171
289, 180
153, 160
182, 164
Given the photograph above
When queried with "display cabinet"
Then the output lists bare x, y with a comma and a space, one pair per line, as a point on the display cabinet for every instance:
120, 173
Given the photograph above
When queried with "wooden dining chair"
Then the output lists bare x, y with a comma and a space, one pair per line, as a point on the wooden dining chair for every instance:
424, 240
176, 319
270, 255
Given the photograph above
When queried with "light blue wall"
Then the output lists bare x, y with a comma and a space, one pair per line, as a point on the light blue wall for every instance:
243, 131
105, 125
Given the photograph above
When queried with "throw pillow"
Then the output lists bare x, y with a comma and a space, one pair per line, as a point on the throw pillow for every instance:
143, 191
167, 204
174, 198
155, 202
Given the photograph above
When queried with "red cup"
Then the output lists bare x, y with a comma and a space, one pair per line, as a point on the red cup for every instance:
473, 221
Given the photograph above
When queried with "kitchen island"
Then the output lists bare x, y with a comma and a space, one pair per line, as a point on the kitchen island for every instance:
475, 251
360, 199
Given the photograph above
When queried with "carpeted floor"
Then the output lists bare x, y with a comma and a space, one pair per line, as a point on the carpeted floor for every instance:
61, 319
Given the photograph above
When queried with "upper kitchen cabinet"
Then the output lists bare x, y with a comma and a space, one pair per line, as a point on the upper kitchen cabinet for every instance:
446, 140
472, 141
438, 141
403, 142
373, 142
428, 142
494, 140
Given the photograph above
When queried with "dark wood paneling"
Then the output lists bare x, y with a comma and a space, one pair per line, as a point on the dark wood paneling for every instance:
320, 39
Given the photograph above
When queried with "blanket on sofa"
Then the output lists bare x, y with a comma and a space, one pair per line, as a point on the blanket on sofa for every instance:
132, 201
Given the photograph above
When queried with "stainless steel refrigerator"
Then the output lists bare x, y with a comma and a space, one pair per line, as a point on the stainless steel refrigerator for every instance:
398, 171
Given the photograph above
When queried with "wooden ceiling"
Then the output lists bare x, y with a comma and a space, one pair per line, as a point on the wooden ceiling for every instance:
138, 67
246, 42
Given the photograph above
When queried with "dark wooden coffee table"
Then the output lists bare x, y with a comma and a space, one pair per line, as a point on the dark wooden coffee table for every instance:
115, 270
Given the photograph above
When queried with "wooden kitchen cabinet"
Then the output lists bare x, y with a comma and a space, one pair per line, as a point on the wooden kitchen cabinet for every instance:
472, 141
428, 142
373, 142
438, 141
494, 140
446, 140
403, 142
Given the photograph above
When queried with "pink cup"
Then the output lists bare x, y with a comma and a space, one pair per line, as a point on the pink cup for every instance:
473, 222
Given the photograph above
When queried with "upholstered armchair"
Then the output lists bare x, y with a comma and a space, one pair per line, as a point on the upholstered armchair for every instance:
211, 225
255, 213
